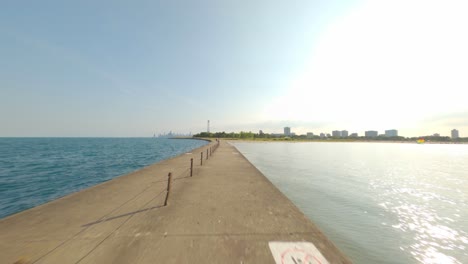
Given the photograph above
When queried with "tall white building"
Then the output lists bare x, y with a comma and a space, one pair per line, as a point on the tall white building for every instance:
391, 133
336, 133
287, 131
455, 134
371, 133
344, 133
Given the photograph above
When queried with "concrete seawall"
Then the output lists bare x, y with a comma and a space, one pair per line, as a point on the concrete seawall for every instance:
228, 212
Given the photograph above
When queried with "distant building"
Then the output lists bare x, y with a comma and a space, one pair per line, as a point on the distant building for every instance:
287, 131
322, 135
310, 135
436, 135
391, 133
455, 134
336, 133
354, 135
344, 133
371, 133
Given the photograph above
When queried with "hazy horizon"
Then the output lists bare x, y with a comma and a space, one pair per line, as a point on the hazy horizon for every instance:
134, 69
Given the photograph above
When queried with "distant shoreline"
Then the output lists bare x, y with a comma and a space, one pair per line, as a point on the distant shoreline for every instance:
290, 140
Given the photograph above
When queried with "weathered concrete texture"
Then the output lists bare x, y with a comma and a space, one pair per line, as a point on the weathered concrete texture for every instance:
226, 213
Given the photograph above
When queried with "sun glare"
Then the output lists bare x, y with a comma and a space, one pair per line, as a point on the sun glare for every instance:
392, 62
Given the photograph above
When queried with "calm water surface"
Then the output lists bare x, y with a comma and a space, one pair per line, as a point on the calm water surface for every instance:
37, 170
378, 202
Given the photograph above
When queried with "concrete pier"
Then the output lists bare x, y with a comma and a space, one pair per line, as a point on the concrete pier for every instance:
228, 212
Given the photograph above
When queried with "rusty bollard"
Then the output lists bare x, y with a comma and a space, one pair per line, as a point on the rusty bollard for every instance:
191, 167
169, 176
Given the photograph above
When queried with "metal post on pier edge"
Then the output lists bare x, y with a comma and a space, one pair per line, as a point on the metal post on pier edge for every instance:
191, 167
201, 158
206, 153
169, 176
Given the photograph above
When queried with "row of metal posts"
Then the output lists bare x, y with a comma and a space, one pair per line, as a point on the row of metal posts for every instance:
169, 176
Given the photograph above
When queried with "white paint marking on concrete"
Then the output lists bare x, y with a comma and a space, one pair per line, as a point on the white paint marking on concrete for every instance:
296, 253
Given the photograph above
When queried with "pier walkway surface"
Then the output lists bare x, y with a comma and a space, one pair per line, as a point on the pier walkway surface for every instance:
228, 212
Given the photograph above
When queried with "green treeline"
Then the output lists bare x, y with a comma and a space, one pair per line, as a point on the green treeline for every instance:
253, 136
243, 135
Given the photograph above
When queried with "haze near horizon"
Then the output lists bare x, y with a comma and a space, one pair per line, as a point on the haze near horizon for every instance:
118, 68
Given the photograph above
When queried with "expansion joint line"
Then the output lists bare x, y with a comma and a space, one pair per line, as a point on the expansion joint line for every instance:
126, 220
122, 224
84, 229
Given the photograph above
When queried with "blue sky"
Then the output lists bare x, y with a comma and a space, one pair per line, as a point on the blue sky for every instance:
134, 68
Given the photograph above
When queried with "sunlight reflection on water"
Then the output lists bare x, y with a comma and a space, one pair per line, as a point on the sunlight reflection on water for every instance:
380, 203
411, 195
432, 236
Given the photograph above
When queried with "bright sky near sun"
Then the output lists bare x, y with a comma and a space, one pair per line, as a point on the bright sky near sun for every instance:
134, 68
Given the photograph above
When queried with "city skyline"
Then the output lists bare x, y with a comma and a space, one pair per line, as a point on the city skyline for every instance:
129, 69
288, 131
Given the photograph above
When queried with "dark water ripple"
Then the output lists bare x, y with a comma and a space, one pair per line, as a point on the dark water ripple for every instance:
37, 170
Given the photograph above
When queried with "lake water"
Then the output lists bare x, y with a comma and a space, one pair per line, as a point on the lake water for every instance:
378, 202
37, 170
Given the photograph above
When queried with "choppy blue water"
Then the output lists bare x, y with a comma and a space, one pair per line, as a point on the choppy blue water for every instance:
378, 202
37, 170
